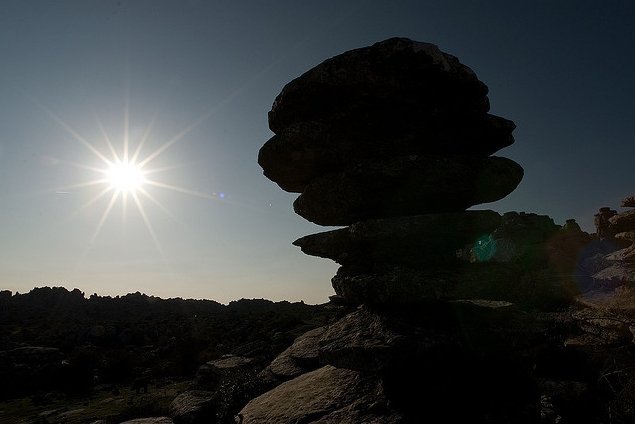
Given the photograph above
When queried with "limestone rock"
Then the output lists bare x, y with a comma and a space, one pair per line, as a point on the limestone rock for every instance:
305, 349
622, 255
407, 186
624, 221
364, 341
283, 367
192, 406
615, 275
629, 202
305, 150
626, 235
326, 395
211, 374
302, 356
394, 75
416, 240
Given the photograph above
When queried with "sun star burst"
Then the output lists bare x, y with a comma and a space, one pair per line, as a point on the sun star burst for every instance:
125, 176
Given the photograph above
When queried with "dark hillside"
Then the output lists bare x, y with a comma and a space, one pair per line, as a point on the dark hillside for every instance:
52, 339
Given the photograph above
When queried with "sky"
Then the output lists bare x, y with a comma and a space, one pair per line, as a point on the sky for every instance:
191, 83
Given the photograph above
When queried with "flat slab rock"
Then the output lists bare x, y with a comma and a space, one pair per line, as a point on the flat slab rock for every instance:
305, 150
410, 185
398, 285
326, 395
414, 240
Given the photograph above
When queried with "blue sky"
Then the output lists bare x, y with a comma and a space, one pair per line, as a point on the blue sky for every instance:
205, 73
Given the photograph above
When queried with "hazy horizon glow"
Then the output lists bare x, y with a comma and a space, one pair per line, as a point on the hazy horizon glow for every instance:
129, 130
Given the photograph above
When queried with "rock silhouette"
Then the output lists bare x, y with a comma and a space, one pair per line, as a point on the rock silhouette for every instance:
394, 141
456, 314
398, 130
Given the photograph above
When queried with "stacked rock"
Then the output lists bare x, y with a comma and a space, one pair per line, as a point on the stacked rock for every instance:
621, 267
393, 141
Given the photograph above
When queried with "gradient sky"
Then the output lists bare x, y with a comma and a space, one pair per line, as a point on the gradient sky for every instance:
205, 73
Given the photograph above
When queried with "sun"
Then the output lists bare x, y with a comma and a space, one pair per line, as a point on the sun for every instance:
125, 176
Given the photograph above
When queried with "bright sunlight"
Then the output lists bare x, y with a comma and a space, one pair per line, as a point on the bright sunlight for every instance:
126, 177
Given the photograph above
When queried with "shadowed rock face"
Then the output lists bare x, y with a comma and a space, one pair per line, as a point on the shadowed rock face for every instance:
421, 239
395, 98
394, 141
406, 186
305, 150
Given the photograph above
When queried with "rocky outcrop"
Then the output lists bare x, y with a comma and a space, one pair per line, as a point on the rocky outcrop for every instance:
395, 142
396, 134
621, 263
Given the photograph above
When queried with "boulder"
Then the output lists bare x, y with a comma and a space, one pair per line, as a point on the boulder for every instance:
305, 349
283, 367
364, 341
305, 150
394, 75
300, 357
192, 406
228, 368
410, 185
326, 395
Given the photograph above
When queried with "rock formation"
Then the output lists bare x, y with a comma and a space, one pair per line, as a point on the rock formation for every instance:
621, 263
394, 142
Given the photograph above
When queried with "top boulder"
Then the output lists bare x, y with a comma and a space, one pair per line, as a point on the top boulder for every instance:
397, 74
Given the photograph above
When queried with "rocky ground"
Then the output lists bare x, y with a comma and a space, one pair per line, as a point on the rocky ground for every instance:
68, 359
